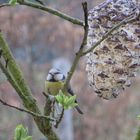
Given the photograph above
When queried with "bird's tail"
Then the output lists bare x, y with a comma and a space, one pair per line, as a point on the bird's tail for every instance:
70, 91
79, 110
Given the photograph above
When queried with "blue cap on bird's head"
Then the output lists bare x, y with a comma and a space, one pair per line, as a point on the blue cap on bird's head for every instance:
55, 75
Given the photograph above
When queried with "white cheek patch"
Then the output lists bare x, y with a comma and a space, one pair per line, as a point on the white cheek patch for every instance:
59, 77
49, 77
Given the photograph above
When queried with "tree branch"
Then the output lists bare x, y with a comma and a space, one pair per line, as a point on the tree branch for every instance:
52, 11
60, 119
16, 74
13, 83
18, 82
40, 2
27, 111
78, 54
47, 111
10, 78
4, 5
49, 10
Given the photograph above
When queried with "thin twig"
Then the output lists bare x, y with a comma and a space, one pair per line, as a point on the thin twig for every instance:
49, 10
27, 111
78, 54
46, 95
125, 21
4, 5
52, 11
40, 2
60, 119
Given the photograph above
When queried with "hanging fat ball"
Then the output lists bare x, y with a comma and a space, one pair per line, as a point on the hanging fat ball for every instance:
111, 65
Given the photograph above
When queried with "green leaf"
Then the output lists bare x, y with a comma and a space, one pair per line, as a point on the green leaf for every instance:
71, 100
21, 133
60, 97
73, 105
67, 102
13, 2
28, 138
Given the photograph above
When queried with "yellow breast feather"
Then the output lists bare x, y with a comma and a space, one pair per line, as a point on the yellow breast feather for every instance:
53, 87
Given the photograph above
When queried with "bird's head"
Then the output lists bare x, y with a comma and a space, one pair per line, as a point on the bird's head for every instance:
55, 75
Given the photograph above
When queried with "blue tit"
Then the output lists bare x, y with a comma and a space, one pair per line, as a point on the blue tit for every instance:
55, 82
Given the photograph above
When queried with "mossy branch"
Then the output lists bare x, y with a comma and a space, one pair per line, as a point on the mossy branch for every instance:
15, 77
16, 87
4, 4
10, 78
16, 73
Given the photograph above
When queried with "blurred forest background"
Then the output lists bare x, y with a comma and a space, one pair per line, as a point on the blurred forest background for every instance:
39, 41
